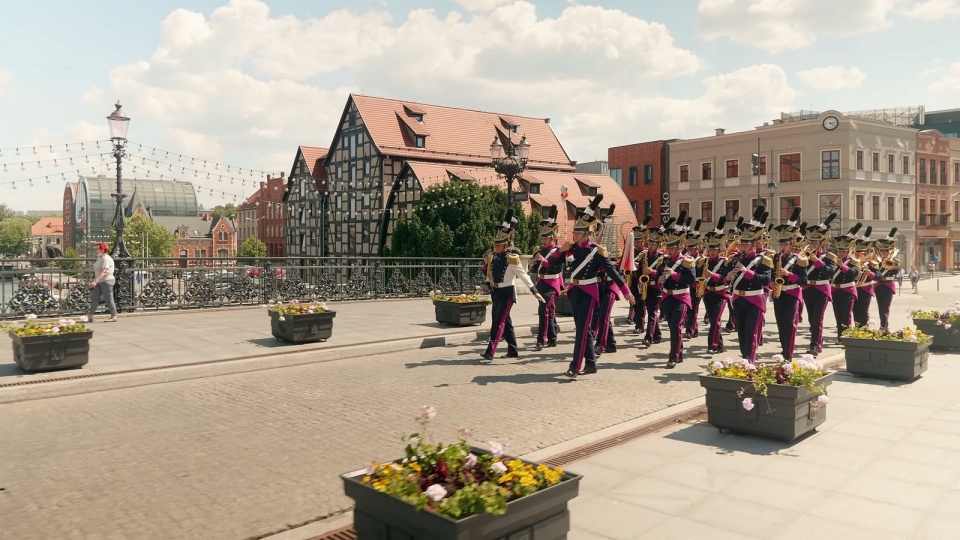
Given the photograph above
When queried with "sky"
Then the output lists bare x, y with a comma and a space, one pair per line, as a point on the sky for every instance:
222, 92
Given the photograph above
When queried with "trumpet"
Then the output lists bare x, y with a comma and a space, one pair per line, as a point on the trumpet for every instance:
891, 262
731, 246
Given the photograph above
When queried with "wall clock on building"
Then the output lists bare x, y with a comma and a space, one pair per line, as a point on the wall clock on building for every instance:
831, 122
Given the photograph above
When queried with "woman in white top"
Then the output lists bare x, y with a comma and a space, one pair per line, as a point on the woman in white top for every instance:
103, 281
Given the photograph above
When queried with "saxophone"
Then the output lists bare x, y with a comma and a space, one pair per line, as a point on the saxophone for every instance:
704, 277
644, 279
779, 281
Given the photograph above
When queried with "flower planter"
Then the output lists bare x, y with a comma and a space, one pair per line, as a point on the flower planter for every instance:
944, 339
793, 413
51, 352
302, 328
891, 360
460, 313
540, 516
927, 326
563, 305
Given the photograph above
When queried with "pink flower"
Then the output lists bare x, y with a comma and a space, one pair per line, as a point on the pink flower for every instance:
428, 412
822, 399
471, 461
436, 492
496, 449
748, 404
463, 433
498, 467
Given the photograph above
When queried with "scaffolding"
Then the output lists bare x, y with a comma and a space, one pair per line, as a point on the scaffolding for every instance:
909, 116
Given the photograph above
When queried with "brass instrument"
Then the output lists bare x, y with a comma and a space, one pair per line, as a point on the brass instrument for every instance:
778, 282
644, 279
727, 253
704, 277
891, 262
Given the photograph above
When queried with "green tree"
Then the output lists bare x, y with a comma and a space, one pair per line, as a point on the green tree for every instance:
251, 250
457, 219
14, 236
224, 210
71, 260
141, 234
6, 212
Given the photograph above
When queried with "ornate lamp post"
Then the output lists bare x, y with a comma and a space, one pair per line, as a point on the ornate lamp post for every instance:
509, 161
772, 188
119, 123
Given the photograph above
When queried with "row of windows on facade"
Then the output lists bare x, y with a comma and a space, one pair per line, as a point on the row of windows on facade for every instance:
922, 173
632, 173
828, 203
203, 253
791, 166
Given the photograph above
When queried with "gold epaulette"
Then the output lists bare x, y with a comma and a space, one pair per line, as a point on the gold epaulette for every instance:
513, 258
688, 262
832, 257
766, 261
803, 262
602, 251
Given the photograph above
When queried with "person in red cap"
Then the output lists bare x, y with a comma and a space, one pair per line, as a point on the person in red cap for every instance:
103, 282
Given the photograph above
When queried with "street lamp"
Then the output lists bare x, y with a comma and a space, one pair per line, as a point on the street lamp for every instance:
509, 161
119, 123
772, 188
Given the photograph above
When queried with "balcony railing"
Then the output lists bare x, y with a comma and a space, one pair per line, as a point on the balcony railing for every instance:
934, 220
46, 288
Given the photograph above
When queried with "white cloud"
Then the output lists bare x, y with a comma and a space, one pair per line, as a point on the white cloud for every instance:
948, 84
831, 78
933, 10
779, 25
482, 6
5, 78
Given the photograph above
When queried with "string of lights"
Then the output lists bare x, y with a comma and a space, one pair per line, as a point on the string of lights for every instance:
56, 162
197, 173
36, 149
217, 166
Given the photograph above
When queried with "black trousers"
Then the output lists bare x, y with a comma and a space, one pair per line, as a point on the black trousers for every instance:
884, 301
693, 315
714, 304
816, 302
749, 320
786, 310
843, 309
604, 330
501, 327
547, 314
639, 309
861, 308
583, 306
653, 315
674, 312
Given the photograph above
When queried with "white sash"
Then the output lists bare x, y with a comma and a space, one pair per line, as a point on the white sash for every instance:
583, 265
749, 267
549, 253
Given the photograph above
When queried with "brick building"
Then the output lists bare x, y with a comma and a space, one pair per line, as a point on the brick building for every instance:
46, 238
642, 172
935, 201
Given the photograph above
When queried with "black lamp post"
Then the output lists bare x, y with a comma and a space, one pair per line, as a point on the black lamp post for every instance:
772, 188
123, 291
509, 163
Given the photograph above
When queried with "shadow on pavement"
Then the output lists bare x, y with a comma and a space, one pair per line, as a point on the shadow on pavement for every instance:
522, 378
729, 443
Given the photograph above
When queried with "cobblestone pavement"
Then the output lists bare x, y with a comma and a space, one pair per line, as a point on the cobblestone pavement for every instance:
242, 455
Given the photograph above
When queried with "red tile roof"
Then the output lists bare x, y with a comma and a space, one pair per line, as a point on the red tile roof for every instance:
454, 134
314, 157
47, 226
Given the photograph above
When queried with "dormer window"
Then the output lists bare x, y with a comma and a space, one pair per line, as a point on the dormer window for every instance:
592, 192
421, 141
534, 189
509, 123
418, 117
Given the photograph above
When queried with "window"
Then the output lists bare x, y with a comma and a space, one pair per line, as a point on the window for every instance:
366, 167
731, 209
684, 173
754, 202
790, 167
633, 206
875, 207
647, 207
891, 208
763, 165
421, 141
956, 173
923, 170
733, 168
222, 253
876, 161
943, 206
906, 209
683, 207
831, 204
787, 204
706, 171
858, 207
353, 146
906, 164
859, 160
923, 208
943, 173
617, 175
222, 236
830, 164
933, 171
647, 174
633, 176
706, 211
956, 210
891, 163
534, 189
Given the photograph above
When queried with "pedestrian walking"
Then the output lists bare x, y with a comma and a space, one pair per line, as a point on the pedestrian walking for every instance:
103, 282
914, 278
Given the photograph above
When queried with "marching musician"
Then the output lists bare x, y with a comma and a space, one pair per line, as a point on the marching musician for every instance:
886, 285
715, 291
844, 281
547, 263
652, 301
608, 289
586, 258
694, 242
639, 310
817, 292
867, 280
749, 276
790, 276
502, 267
674, 275
733, 239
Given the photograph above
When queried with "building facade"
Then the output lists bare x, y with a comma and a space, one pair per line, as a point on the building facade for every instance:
307, 212
862, 169
247, 219
46, 238
69, 197
935, 179
947, 122
201, 236
643, 174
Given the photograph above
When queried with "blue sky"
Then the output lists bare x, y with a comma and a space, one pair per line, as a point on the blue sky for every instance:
242, 83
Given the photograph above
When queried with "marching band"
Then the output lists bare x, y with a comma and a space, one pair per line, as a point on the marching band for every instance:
671, 270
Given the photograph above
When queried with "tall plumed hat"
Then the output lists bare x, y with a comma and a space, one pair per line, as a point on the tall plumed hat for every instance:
676, 232
848, 241
733, 233
864, 242
548, 225
640, 231
756, 228
888, 243
588, 220
788, 231
801, 237
694, 238
714, 239
818, 233
607, 218
505, 231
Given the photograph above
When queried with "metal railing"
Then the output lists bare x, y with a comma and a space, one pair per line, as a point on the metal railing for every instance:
46, 288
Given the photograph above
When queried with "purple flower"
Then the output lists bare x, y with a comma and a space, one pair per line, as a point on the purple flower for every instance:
748, 404
496, 449
498, 467
436, 492
471, 461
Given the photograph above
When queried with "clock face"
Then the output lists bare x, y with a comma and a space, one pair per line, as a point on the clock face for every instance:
831, 122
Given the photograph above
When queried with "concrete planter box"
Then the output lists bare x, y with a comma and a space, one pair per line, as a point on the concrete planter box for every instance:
303, 328
890, 360
794, 414
51, 352
460, 313
563, 305
540, 516
944, 339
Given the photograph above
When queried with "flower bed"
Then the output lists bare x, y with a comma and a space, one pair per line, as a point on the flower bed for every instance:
902, 355
792, 394
460, 310
301, 322
453, 491
942, 326
49, 345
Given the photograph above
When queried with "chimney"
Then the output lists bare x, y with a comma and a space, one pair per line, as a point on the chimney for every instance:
281, 175
546, 120
269, 177
766, 123
720, 131
263, 184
